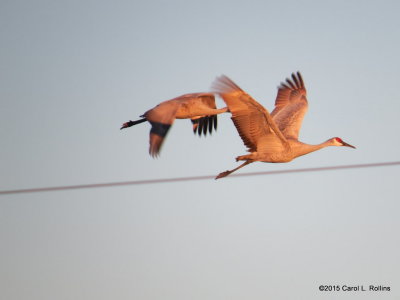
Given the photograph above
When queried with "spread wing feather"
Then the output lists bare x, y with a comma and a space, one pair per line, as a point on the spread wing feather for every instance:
251, 119
290, 106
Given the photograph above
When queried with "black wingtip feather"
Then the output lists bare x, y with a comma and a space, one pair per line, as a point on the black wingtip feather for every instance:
205, 126
300, 79
292, 85
296, 81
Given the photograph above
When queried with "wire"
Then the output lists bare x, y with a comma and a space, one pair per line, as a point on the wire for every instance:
192, 178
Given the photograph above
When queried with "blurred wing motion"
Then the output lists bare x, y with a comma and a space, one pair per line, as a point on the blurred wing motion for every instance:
199, 107
252, 121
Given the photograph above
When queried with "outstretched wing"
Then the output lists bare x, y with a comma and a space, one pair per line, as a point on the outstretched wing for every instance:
290, 106
199, 107
252, 121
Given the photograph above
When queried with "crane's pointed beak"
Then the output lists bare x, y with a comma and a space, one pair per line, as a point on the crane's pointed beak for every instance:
348, 145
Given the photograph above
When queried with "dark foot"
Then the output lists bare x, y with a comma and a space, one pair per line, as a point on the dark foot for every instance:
223, 174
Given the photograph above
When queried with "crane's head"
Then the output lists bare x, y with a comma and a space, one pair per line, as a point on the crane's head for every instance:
336, 141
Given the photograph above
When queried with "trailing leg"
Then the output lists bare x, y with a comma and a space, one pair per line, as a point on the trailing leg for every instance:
226, 173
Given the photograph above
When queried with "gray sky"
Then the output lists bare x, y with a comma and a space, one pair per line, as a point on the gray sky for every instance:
73, 71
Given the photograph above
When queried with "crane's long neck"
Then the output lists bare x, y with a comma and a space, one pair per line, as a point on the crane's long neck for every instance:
302, 149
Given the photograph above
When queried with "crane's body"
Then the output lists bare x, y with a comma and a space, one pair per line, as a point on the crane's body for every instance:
199, 107
269, 137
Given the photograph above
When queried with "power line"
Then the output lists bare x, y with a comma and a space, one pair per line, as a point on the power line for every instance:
192, 178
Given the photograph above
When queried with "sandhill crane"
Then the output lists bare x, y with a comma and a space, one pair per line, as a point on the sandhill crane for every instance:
199, 107
270, 137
